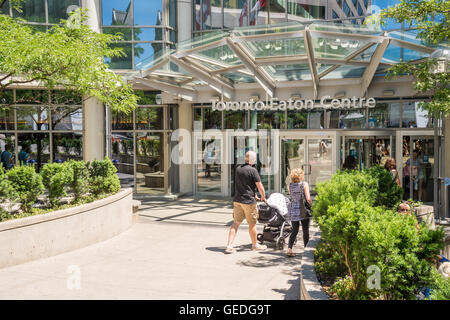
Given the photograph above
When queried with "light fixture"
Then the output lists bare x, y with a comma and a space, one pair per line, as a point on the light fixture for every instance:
215, 98
340, 94
296, 96
254, 98
388, 93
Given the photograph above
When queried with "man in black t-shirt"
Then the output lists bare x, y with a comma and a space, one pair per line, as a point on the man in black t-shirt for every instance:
246, 182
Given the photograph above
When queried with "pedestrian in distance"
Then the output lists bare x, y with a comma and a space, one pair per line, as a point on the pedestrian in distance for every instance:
299, 191
392, 168
247, 182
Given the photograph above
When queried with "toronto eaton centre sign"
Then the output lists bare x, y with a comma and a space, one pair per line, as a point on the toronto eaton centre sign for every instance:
275, 104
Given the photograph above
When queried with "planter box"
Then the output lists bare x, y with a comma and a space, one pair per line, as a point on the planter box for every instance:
310, 287
53, 233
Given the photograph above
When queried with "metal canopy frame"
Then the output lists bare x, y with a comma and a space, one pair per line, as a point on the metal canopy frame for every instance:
194, 67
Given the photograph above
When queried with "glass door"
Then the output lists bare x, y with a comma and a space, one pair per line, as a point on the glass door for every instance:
418, 168
208, 164
259, 142
368, 151
315, 154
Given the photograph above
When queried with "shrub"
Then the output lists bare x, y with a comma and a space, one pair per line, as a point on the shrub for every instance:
26, 184
389, 194
6, 190
79, 182
440, 289
102, 177
56, 177
344, 185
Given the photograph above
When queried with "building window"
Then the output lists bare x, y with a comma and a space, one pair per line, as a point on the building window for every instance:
146, 34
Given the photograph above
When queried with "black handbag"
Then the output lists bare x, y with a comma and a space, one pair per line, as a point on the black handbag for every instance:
306, 205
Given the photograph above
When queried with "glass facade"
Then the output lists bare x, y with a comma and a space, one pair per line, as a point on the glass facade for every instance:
146, 27
139, 145
211, 15
42, 14
41, 126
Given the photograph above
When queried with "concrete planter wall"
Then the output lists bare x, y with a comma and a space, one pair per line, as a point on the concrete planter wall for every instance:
53, 233
310, 287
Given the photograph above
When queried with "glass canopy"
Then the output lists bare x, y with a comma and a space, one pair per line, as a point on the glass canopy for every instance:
271, 55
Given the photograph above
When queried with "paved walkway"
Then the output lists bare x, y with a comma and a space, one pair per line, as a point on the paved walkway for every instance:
175, 251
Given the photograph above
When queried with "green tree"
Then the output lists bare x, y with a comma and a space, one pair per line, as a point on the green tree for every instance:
430, 17
70, 55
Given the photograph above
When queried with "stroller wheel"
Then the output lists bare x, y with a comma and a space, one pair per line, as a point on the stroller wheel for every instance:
280, 243
260, 238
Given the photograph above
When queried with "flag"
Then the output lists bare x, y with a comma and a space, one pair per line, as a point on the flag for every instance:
260, 4
206, 11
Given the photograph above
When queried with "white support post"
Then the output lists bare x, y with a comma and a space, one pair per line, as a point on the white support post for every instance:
372, 68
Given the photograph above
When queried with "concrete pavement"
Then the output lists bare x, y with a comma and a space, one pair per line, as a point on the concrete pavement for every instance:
175, 251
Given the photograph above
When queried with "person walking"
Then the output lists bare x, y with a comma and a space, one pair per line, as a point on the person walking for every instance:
7, 157
299, 191
246, 182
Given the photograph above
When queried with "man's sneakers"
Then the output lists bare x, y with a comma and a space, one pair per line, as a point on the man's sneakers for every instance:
259, 247
229, 250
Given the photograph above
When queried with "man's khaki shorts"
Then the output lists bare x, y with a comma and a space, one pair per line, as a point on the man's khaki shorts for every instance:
247, 211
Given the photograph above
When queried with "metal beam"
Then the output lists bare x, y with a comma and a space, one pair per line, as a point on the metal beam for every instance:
154, 67
260, 74
347, 58
346, 36
311, 61
238, 68
269, 36
182, 92
374, 62
282, 60
182, 53
222, 81
219, 86
412, 46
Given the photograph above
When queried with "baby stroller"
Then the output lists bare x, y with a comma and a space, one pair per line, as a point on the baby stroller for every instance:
277, 226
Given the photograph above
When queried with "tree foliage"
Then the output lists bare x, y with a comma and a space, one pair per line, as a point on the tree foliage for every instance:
430, 17
69, 56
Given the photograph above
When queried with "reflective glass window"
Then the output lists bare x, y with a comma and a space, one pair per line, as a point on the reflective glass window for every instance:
148, 34
305, 120
147, 12
235, 119
173, 13
235, 13
277, 11
117, 12
212, 119
173, 117
35, 147
124, 62
32, 96
32, 10
415, 117
147, 52
197, 15
385, 115
67, 146
67, 118
149, 118
150, 163
346, 9
123, 32
66, 97
298, 9
352, 119
121, 121
60, 9
7, 118
122, 151
7, 97
258, 12
32, 118
267, 120
148, 97
5, 8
